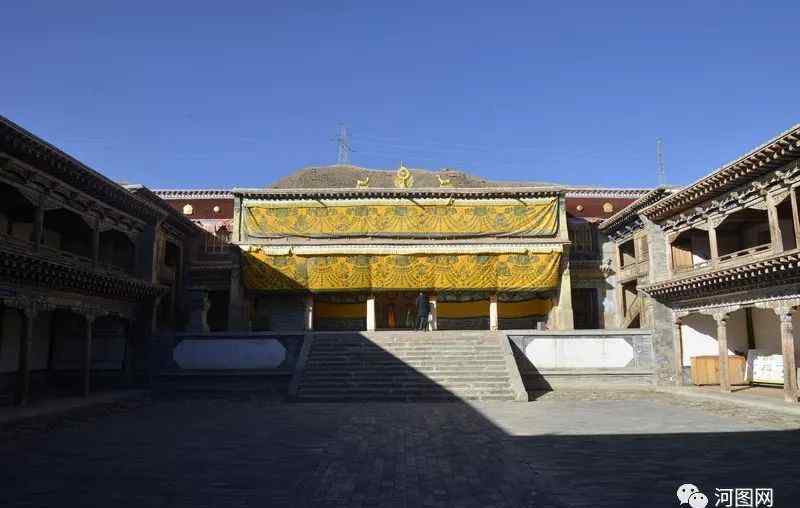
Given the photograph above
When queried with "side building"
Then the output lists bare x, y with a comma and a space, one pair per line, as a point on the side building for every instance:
714, 269
89, 271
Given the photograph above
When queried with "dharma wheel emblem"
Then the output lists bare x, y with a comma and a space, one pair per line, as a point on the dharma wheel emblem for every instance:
403, 178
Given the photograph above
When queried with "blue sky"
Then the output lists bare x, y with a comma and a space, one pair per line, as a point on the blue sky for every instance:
222, 94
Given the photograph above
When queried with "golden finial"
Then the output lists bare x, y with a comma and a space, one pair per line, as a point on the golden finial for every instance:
403, 178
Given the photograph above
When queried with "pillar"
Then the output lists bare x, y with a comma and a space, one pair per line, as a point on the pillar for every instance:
38, 227
678, 349
789, 348
96, 244
127, 367
308, 321
774, 225
795, 216
722, 338
712, 242
198, 308
493, 317
371, 313
433, 323
87, 354
24, 359
566, 320
238, 318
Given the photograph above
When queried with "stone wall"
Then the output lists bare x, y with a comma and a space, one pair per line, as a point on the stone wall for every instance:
661, 316
233, 351
279, 313
553, 358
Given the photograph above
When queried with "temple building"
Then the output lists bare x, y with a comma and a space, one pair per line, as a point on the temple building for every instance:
104, 283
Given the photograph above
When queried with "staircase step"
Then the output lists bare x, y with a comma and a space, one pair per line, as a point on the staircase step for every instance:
404, 367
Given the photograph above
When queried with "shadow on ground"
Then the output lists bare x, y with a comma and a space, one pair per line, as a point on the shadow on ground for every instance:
248, 447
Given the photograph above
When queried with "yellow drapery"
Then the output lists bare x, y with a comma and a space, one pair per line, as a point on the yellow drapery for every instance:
440, 272
537, 217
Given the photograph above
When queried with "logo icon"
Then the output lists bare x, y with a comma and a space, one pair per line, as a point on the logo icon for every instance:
685, 491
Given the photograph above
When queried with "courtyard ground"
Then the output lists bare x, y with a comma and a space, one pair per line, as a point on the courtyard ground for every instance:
251, 448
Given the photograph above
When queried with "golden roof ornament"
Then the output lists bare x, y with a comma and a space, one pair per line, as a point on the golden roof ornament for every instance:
403, 178
362, 184
444, 182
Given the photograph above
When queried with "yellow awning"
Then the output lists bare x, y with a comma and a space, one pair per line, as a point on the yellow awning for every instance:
438, 272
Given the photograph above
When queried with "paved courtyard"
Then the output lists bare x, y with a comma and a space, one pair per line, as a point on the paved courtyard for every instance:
566, 449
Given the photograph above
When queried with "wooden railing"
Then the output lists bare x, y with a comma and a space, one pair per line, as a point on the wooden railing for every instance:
758, 249
28, 248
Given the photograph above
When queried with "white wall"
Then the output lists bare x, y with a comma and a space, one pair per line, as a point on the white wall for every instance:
767, 330
229, 354
699, 334
597, 353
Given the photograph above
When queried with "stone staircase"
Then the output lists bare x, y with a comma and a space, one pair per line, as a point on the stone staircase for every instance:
407, 366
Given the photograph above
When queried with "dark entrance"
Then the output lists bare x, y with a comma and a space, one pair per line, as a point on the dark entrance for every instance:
585, 309
396, 310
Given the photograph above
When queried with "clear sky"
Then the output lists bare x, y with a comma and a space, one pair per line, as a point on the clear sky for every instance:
221, 94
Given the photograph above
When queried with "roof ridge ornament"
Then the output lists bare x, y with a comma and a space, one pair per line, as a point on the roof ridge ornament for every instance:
403, 178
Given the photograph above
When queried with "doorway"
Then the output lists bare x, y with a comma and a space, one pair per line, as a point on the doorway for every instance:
396, 310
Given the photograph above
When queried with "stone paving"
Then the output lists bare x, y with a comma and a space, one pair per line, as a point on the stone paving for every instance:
566, 449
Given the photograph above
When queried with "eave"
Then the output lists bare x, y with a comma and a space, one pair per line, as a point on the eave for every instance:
623, 215
773, 154
778, 270
37, 153
443, 192
35, 270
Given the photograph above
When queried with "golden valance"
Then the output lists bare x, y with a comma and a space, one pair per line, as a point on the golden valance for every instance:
439, 272
400, 218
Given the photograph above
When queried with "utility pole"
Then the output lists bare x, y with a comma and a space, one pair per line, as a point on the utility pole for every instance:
661, 174
344, 145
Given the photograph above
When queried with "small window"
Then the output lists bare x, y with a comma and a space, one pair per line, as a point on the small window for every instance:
187, 209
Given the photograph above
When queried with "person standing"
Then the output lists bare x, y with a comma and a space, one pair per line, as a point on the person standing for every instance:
423, 309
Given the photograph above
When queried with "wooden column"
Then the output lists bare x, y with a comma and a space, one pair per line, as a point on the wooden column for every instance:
722, 338
678, 351
87, 354
371, 313
776, 238
38, 227
96, 243
493, 316
433, 323
712, 242
24, 358
795, 216
789, 347
127, 367
309, 313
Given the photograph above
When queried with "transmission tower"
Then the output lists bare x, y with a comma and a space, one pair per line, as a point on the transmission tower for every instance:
343, 141
662, 175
